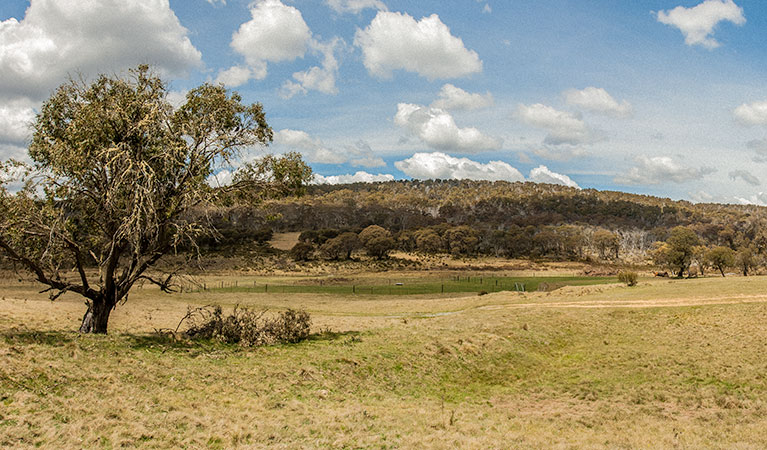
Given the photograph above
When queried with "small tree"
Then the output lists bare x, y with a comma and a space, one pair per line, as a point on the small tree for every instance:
720, 258
680, 244
116, 171
607, 243
302, 251
377, 241
629, 278
428, 241
746, 260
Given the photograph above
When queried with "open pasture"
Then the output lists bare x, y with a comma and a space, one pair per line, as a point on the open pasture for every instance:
669, 363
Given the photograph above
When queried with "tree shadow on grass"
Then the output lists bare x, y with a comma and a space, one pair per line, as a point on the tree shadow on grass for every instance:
29, 337
155, 341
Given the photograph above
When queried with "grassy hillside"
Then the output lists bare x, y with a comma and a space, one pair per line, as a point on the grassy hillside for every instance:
666, 364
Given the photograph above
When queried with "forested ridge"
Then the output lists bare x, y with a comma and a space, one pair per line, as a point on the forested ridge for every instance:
498, 218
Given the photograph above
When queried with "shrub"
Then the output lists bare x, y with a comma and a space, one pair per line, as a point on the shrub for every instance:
630, 278
247, 327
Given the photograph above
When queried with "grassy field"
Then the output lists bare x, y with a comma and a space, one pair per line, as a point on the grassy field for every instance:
402, 285
666, 364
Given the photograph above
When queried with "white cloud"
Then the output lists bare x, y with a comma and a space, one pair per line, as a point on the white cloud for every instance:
437, 129
355, 6
745, 176
216, 2
698, 23
563, 127
313, 149
239, 75
358, 177
597, 100
701, 197
16, 119
487, 9
438, 165
660, 169
221, 178
752, 113
58, 38
275, 33
362, 155
451, 97
322, 79
396, 41
759, 198
542, 174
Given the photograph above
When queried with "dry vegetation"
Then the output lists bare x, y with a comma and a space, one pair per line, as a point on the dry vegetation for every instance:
668, 363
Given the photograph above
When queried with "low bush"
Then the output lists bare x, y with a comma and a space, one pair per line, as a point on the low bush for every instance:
629, 278
247, 327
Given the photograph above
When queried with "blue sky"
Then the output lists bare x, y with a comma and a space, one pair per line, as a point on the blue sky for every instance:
657, 97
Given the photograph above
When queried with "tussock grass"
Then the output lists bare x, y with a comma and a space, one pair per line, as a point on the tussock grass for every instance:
664, 364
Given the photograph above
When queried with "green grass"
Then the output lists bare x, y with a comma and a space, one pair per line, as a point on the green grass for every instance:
409, 286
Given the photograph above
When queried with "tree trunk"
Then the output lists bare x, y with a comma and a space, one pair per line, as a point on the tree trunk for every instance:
96, 318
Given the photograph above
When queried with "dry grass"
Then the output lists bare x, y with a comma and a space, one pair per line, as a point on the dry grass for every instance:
284, 241
667, 364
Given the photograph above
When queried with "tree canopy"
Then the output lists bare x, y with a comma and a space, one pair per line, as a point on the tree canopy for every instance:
115, 172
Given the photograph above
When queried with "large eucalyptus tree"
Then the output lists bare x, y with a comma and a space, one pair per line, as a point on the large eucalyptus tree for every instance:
115, 171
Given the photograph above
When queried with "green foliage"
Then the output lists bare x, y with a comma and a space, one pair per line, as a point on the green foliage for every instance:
607, 243
746, 259
720, 258
340, 246
679, 248
120, 170
377, 241
272, 177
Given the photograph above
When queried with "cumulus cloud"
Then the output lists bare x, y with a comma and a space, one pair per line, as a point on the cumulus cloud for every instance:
314, 150
361, 154
745, 176
318, 78
438, 165
355, 6
275, 33
217, 2
542, 174
697, 24
238, 75
16, 119
358, 177
759, 198
437, 129
454, 98
395, 41
597, 100
58, 38
563, 127
752, 113
660, 169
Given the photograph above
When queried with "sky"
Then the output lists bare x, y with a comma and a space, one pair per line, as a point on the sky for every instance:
658, 97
